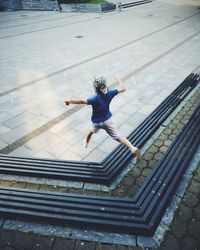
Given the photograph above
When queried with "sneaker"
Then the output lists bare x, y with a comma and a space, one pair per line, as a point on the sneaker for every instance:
85, 144
138, 154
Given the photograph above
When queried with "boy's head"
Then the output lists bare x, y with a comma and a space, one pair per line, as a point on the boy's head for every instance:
100, 85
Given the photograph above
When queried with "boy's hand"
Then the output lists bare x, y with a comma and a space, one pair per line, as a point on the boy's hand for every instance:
117, 78
121, 87
66, 102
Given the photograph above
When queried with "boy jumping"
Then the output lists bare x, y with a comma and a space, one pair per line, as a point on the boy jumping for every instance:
101, 115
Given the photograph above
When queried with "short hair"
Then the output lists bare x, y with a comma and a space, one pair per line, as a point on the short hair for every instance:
100, 84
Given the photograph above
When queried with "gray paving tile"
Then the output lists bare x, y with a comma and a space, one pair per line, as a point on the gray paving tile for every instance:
58, 149
4, 115
137, 118
18, 120
74, 137
95, 156
16, 134
39, 142
22, 151
69, 155
4, 129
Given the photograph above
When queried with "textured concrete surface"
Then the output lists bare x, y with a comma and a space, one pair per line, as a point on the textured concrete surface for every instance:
153, 47
47, 57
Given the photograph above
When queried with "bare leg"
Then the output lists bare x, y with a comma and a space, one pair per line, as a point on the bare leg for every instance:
133, 149
89, 136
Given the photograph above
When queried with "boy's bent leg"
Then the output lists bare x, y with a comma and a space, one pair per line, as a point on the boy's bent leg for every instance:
94, 130
113, 132
88, 138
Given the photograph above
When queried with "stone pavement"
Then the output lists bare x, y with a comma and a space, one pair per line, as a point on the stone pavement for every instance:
47, 57
153, 47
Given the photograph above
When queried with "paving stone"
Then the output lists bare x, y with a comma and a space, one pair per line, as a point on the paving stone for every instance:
136, 172
167, 143
137, 118
172, 137
188, 243
152, 163
122, 247
84, 245
142, 164
119, 192
163, 149
167, 131
1, 221
32, 186
178, 228
6, 238
19, 184
157, 156
127, 182
23, 241
140, 180
172, 126
163, 137
146, 242
3, 144
170, 243
190, 199
194, 228
18, 120
63, 244
153, 149
176, 122
148, 156
196, 176
146, 172
5, 183
101, 246
197, 212
158, 143
8, 248
185, 213
194, 187
50, 188
40, 242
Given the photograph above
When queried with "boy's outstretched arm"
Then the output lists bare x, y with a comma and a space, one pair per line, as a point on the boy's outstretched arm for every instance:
67, 102
121, 88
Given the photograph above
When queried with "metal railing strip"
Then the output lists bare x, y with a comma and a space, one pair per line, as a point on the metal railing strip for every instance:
166, 199
53, 169
169, 180
128, 5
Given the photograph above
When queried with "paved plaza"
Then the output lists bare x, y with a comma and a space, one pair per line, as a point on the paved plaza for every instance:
47, 57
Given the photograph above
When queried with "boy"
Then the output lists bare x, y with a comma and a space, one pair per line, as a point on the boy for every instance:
101, 115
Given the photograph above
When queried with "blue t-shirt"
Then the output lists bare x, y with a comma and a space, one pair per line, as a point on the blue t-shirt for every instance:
100, 106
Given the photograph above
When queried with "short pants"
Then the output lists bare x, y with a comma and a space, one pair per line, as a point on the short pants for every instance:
108, 126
